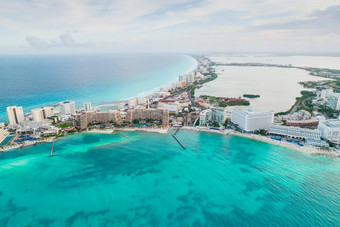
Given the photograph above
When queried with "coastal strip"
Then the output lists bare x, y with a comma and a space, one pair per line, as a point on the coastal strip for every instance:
305, 149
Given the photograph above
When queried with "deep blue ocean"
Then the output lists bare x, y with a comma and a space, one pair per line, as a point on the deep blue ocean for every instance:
35, 81
145, 179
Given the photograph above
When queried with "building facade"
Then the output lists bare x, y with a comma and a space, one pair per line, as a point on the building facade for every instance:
41, 114
68, 108
251, 121
295, 132
214, 114
330, 129
172, 107
15, 114
161, 115
333, 101
89, 118
87, 106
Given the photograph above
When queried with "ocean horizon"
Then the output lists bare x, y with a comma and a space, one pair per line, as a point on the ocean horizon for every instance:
34, 81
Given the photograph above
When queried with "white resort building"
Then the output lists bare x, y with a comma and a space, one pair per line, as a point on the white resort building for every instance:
333, 101
251, 121
68, 108
41, 114
295, 132
15, 114
87, 106
330, 129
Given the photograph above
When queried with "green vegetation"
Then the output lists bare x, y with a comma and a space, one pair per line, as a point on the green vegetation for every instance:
335, 84
334, 71
197, 122
65, 125
225, 104
330, 112
298, 103
251, 96
215, 124
261, 132
222, 104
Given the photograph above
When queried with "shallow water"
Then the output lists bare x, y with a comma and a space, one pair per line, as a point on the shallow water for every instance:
277, 87
143, 179
330, 62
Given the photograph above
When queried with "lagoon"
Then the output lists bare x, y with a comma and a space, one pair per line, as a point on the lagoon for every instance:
277, 87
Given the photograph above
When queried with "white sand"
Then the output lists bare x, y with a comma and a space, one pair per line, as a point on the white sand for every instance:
305, 149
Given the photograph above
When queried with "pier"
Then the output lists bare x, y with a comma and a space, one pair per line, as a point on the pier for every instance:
174, 135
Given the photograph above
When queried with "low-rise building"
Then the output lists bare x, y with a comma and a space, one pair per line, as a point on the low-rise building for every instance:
3, 134
171, 106
295, 132
251, 121
318, 143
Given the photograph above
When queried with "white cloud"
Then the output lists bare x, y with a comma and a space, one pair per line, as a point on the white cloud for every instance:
124, 23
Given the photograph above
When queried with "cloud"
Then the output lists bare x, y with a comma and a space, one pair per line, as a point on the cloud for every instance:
66, 39
36, 42
70, 24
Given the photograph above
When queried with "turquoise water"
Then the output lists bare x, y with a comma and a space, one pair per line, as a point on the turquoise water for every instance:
140, 179
35, 81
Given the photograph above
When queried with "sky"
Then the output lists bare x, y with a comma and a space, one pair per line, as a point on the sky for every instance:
181, 26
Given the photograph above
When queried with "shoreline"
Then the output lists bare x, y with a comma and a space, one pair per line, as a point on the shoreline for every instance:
26, 144
140, 94
149, 130
305, 149
311, 150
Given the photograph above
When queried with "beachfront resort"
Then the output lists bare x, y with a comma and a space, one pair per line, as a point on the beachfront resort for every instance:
311, 125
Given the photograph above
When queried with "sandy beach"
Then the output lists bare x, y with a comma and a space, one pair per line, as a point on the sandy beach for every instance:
98, 131
305, 149
152, 130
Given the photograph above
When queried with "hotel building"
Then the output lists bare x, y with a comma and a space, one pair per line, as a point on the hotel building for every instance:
133, 102
295, 132
15, 114
67, 108
99, 117
148, 114
333, 101
330, 129
41, 114
251, 121
87, 106
214, 114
